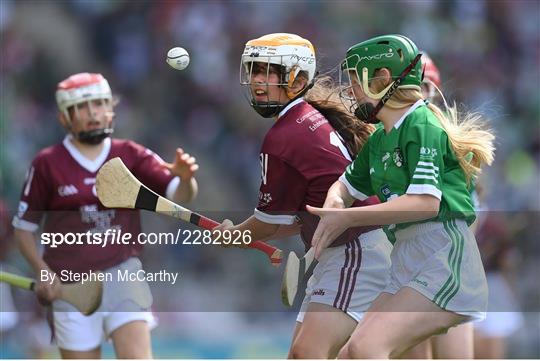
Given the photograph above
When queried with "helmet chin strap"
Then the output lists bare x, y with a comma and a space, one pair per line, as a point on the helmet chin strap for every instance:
95, 136
266, 109
272, 109
367, 112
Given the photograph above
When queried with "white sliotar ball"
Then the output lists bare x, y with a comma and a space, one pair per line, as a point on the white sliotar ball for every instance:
178, 58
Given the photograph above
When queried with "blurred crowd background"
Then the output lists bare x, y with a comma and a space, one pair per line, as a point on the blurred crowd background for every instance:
489, 56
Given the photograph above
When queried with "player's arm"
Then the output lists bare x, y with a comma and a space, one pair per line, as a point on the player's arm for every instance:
284, 231
402, 209
253, 227
281, 195
186, 191
354, 183
259, 230
338, 196
421, 201
184, 167
26, 242
176, 180
34, 199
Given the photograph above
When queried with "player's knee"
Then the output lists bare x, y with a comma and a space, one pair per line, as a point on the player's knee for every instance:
357, 349
301, 349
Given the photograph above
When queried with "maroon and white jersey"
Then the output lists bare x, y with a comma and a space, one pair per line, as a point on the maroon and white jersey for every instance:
301, 157
60, 185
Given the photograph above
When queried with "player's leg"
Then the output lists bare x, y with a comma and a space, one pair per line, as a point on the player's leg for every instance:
130, 331
322, 333
441, 262
77, 336
342, 288
296, 331
457, 343
132, 340
85, 355
422, 351
388, 333
128, 322
306, 335
491, 347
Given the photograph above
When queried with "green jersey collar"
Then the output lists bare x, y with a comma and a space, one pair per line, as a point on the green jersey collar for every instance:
411, 109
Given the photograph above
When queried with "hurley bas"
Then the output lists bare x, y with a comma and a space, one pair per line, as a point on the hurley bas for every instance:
67, 276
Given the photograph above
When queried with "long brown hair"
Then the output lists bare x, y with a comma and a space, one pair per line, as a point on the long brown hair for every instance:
324, 96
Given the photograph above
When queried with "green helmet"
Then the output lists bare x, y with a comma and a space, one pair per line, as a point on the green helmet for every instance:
394, 52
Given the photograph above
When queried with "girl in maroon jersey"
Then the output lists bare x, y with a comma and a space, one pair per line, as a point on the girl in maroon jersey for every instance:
61, 186
305, 151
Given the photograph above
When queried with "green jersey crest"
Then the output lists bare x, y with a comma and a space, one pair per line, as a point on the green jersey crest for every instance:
414, 157
397, 157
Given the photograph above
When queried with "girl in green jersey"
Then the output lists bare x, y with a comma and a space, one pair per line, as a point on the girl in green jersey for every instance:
419, 165
458, 342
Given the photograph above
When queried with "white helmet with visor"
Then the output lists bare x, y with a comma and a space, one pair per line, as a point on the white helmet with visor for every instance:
291, 53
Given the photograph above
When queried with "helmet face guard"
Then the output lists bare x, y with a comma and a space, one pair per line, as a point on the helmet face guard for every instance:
286, 55
248, 69
396, 53
347, 77
94, 136
85, 88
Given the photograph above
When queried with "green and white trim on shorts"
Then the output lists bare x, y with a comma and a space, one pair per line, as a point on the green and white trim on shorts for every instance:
455, 256
441, 261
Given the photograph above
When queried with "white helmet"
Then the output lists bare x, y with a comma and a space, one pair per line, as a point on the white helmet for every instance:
81, 87
84, 87
289, 51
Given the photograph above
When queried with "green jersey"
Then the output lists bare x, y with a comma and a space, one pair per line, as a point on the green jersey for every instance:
415, 157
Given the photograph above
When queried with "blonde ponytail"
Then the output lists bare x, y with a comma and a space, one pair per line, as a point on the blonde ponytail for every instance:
469, 136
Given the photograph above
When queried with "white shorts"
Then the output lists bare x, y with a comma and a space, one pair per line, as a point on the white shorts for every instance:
76, 332
442, 262
351, 276
503, 317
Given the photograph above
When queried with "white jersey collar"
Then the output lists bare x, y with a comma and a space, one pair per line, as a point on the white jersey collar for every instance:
90, 165
411, 109
289, 106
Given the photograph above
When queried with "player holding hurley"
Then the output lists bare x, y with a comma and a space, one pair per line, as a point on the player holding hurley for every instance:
311, 142
60, 185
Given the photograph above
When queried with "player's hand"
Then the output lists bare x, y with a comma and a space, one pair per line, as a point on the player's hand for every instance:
185, 166
47, 292
332, 224
225, 236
